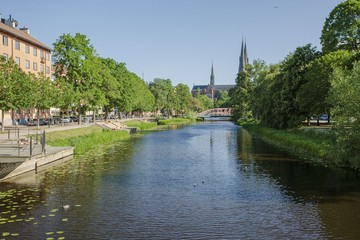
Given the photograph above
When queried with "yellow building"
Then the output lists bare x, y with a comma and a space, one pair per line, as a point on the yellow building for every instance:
29, 53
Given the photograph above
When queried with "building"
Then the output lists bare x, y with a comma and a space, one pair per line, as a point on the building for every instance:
211, 90
29, 53
243, 59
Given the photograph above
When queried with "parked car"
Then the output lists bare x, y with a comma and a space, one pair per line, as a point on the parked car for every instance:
74, 119
65, 120
324, 117
23, 121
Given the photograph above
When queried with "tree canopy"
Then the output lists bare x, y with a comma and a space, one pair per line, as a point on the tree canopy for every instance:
342, 28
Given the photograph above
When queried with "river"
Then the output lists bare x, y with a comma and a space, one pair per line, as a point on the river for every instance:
211, 180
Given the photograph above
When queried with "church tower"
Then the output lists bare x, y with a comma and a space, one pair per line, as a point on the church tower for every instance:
243, 59
212, 76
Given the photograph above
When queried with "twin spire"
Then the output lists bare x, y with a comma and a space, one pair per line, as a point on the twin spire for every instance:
243, 60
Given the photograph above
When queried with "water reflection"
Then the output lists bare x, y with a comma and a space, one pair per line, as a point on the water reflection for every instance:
204, 181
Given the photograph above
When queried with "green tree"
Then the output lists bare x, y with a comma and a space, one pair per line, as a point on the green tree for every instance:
43, 93
163, 92
14, 87
342, 28
76, 63
292, 77
183, 98
240, 96
345, 101
312, 95
223, 100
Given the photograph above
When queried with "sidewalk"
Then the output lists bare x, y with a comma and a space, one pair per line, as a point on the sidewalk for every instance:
14, 133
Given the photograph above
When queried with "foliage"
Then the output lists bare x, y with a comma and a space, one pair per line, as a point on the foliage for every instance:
345, 100
76, 63
223, 100
182, 99
342, 28
240, 96
164, 95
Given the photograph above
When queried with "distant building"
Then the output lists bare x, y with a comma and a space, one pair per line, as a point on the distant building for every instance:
212, 90
29, 53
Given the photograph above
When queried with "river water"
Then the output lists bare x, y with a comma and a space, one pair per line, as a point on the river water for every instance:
211, 180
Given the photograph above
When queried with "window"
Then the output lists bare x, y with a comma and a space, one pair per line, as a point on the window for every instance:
47, 70
17, 60
35, 52
34, 66
6, 56
27, 48
5, 40
47, 56
27, 64
42, 68
41, 53
17, 45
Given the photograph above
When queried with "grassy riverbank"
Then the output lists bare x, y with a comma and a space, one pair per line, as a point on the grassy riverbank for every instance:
316, 144
83, 139
177, 121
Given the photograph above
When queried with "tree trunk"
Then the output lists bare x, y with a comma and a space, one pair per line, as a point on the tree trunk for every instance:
2, 121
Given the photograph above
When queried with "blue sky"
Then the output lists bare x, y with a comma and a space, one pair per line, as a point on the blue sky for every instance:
179, 39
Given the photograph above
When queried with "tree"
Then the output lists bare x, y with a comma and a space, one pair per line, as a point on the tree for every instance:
14, 87
43, 93
163, 92
345, 101
292, 77
240, 96
312, 95
223, 100
76, 63
183, 98
342, 28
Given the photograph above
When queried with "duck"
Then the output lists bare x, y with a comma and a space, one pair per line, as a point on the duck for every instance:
66, 206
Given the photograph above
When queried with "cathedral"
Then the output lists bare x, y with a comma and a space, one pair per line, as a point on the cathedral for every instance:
212, 90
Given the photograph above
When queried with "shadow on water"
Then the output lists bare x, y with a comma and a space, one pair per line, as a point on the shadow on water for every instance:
335, 191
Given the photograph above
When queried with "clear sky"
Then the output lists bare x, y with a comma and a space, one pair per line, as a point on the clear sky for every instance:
178, 39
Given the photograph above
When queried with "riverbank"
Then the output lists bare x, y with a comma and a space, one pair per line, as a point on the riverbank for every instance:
83, 139
315, 144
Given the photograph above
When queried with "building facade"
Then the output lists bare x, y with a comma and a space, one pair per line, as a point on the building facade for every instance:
29, 53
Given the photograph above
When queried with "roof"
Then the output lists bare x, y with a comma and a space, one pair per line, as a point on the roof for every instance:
196, 87
223, 87
22, 35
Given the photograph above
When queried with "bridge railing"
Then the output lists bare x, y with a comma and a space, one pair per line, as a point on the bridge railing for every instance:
216, 112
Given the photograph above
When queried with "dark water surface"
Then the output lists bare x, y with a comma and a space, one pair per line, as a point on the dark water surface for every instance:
204, 181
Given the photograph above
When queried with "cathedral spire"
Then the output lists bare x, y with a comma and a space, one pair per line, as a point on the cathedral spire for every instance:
243, 59
212, 76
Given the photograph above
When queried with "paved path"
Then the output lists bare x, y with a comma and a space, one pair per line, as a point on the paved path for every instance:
14, 133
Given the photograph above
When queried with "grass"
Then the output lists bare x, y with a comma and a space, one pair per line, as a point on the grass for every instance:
310, 143
141, 125
83, 139
176, 121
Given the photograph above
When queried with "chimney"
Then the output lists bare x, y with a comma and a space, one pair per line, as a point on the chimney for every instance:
11, 22
2, 19
25, 30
